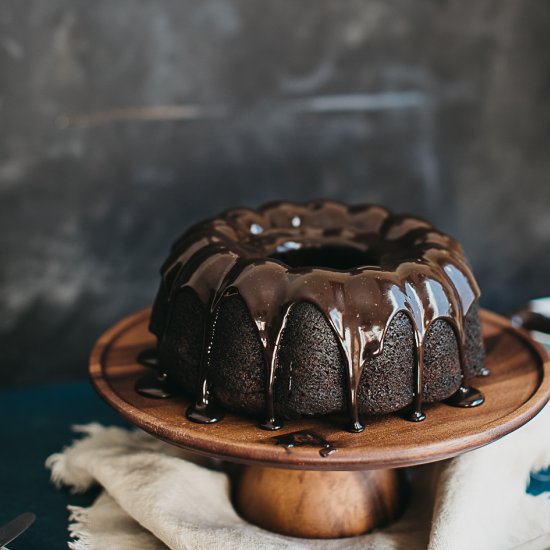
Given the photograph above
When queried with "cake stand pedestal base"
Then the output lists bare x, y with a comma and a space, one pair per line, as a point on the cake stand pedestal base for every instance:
317, 504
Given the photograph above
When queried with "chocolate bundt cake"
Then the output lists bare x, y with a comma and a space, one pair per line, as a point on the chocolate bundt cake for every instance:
305, 310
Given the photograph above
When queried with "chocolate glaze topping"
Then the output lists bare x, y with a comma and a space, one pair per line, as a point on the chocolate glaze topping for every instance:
359, 265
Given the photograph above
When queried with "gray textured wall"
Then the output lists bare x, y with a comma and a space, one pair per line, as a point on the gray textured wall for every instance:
123, 122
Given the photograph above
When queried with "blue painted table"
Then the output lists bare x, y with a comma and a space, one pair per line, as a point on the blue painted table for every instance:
36, 423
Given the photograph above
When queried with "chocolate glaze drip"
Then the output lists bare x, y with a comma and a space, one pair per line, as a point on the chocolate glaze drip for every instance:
466, 397
148, 358
204, 413
304, 438
153, 384
406, 266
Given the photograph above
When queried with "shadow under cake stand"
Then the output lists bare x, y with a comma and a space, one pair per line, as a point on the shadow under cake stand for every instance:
331, 483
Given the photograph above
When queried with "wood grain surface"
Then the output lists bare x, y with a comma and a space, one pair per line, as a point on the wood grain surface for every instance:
315, 504
516, 390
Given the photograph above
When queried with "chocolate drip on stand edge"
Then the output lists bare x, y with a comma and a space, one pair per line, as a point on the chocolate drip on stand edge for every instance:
466, 397
417, 271
416, 414
202, 411
153, 384
304, 438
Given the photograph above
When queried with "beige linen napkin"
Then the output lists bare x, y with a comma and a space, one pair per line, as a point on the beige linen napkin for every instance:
156, 496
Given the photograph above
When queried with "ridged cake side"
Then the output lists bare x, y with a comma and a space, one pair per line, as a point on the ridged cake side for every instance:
310, 379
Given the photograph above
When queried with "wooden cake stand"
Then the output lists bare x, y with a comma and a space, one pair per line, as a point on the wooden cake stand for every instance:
312, 478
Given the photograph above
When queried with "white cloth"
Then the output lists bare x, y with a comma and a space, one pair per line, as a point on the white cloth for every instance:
157, 496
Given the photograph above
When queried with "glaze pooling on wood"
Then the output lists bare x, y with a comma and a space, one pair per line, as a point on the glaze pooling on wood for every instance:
466, 397
412, 268
303, 438
148, 358
153, 384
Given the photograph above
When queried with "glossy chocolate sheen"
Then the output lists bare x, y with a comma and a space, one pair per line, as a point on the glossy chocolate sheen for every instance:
359, 265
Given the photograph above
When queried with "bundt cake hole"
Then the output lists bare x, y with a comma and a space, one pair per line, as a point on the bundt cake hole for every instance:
328, 257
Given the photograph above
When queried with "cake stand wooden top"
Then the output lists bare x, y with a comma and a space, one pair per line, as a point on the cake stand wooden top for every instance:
516, 390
